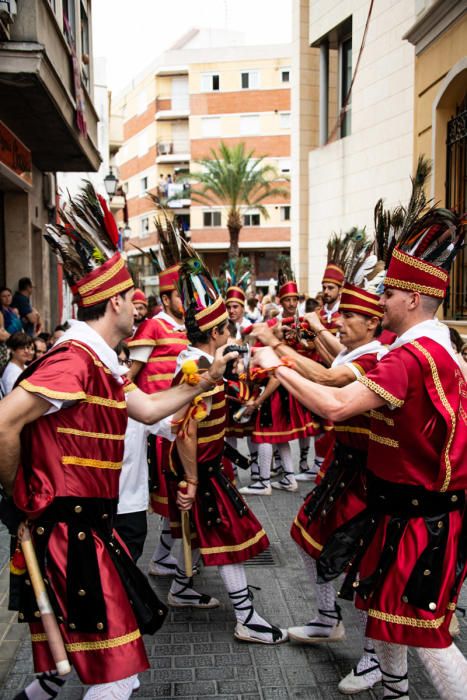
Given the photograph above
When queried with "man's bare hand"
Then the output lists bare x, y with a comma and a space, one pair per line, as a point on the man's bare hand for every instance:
314, 321
185, 500
265, 358
263, 333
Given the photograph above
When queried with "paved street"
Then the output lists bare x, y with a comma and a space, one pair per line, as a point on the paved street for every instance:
195, 655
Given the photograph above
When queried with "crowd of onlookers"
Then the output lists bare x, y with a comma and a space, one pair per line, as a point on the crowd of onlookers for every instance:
23, 340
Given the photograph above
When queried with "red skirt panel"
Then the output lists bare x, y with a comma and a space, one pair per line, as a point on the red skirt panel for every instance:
344, 492
389, 618
227, 538
286, 420
158, 457
99, 657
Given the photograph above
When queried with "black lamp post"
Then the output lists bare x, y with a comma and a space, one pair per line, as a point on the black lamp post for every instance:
110, 184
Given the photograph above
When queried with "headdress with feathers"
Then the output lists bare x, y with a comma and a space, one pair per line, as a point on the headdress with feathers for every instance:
235, 272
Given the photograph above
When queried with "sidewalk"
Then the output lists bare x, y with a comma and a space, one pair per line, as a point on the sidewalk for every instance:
195, 656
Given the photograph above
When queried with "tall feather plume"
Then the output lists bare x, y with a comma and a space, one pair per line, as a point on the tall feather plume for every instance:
197, 286
235, 272
285, 272
88, 236
338, 249
360, 258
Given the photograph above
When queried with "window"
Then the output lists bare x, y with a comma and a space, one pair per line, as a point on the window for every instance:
345, 51
211, 127
85, 57
284, 165
142, 144
251, 218
210, 82
143, 185
249, 79
249, 124
284, 120
69, 19
285, 212
285, 75
144, 226
212, 218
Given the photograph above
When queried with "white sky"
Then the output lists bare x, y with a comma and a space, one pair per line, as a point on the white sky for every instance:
131, 33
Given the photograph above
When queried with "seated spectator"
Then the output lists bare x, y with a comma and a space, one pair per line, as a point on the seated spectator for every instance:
22, 301
40, 347
11, 320
311, 305
20, 354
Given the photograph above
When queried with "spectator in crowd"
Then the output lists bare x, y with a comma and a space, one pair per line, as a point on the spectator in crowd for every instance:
11, 320
311, 305
458, 346
464, 352
319, 299
59, 331
252, 312
22, 301
40, 347
46, 337
20, 354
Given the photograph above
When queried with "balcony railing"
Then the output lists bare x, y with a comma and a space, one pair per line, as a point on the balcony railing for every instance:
172, 103
166, 148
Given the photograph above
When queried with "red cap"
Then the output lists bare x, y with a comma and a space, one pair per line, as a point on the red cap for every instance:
333, 274
359, 301
212, 315
168, 279
289, 289
104, 282
235, 294
411, 274
139, 297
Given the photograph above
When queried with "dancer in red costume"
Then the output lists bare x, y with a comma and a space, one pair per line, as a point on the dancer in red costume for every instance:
405, 554
223, 527
64, 424
154, 350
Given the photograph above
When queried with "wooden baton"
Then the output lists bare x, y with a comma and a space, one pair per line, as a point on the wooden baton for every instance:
49, 622
186, 534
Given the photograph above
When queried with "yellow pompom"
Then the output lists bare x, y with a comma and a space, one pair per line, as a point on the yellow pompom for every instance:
189, 367
200, 409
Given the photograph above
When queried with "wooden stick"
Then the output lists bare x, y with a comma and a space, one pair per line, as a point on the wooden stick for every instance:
186, 535
49, 622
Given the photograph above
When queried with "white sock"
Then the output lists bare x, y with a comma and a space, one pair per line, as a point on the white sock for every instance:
304, 450
264, 462
447, 669
45, 686
328, 612
181, 583
286, 457
393, 662
117, 690
234, 578
369, 659
162, 552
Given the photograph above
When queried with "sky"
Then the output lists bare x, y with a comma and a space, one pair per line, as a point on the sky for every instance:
131, 33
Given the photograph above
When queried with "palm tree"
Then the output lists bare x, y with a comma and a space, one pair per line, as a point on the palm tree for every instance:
235, 178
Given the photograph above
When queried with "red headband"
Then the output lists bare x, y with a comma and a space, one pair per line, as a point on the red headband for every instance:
212, 315
107, 280
289, 289
409, 273
235, 294
359, 301
168, 279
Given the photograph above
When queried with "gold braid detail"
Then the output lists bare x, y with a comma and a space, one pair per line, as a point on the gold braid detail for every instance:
419, 264
403, 620
383, 440
373, 386
413, 287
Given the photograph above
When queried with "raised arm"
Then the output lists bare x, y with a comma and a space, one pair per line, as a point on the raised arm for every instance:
16, 410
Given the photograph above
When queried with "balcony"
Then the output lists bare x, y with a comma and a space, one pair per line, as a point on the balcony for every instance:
177, 151
172, 107
37, 94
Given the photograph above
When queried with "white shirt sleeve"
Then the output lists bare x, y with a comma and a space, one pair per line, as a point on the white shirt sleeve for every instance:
141, 353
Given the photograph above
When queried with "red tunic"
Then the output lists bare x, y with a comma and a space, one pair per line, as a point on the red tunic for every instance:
167, 342
78, 452
223, 534
421, 443
324, 444
312, 534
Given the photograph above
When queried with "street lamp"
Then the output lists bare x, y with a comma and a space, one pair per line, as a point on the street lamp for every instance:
110, 184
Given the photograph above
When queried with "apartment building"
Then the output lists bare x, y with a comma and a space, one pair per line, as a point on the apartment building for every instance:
189, 100
348, 150
48, 123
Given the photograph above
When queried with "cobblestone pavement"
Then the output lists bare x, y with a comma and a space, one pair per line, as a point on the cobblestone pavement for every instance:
195, 655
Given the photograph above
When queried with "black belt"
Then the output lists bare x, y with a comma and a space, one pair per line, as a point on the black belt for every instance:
345, 549
86, 608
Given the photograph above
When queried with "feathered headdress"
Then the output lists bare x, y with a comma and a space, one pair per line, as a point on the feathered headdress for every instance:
199, 291
234, 281
337, 247
361, 260
87, 246
424, 244
286, 278
166, 262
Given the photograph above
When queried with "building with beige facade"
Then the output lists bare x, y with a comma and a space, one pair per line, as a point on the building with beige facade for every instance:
439, 39
189, 100
346, 154
47, 124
